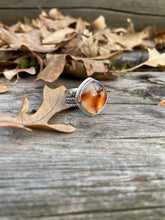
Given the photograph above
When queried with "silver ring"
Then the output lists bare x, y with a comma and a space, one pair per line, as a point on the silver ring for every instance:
90, 97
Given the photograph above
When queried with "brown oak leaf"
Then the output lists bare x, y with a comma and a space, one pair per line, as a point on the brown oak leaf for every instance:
59, 36
53, 103
77, 66
128, 41
30, 40
155, 59
53, 69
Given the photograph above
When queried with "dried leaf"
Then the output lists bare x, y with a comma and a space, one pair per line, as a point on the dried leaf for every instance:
155, 59
77, 69
132, 40
80, 67
7, 65
38, 23
72, 46
99, 23
55, 14
31, 40
160, 39
91, 65
9, 55
62, 22
20, 27
3, 88
81, 25
130, 28
89, 45
26, 50
9, 74
161, 103
53, 69
95, 67
129, 40
53, 102
59, 36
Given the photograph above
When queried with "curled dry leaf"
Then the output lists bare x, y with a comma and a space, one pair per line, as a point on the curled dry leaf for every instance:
53, 69
81, 25
99, 23
20, 27
9, 74
54, 20
155, 59
130, 28
89, 45
129, 40
26, 50
160, 39
7, 65
104, 40
57, 24
91, 65
74, 50
93, 45
30, 40
72, 46
8, 56
55, 14
77, 66
98, 44
59, 36
53, 103
3, 88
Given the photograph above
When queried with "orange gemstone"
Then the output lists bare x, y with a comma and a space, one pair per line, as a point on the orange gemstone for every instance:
93, 97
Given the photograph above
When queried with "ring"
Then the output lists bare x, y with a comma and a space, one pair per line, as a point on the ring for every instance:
90, 97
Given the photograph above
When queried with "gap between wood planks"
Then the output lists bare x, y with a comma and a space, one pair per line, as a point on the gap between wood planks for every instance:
101, 9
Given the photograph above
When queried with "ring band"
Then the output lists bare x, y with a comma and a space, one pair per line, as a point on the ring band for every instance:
90, 97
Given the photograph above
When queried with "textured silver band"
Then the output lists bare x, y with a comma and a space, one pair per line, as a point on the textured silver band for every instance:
70, 97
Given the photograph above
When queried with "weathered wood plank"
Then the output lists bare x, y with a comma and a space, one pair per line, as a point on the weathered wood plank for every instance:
131, 6
115, 14
138, 214
112, 122
91, 178
113, 166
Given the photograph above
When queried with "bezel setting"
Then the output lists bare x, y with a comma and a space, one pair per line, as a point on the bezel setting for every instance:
79, 92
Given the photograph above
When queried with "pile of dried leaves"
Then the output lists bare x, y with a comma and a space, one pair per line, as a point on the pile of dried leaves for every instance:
54, 44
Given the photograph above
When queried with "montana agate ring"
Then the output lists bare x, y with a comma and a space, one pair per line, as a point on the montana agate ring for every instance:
90, 97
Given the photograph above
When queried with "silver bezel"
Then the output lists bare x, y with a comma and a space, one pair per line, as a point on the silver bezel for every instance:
79, 92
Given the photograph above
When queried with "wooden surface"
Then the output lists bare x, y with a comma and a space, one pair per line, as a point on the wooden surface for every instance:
112, 167
143, 13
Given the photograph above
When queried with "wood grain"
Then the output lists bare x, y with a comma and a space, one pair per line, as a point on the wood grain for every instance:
143, 13
113, 166
140, 6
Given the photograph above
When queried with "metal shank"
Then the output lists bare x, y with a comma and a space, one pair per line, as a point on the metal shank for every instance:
70, 97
